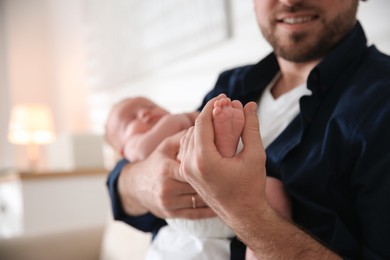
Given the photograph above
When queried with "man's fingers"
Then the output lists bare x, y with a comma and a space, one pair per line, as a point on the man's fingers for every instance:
251, 134
204, 129
198, 213
205, 114
170, 146
184, 143
188, 201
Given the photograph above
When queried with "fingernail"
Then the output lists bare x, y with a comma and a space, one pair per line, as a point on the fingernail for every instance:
253, 108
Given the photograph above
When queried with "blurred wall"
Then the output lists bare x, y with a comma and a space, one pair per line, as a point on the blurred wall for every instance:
181, 85
6, 150
43, 62
43, 58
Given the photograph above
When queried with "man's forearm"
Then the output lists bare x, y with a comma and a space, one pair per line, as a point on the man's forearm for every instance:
127, 185
272, 237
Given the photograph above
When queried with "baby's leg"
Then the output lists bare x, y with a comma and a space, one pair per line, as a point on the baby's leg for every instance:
228, 121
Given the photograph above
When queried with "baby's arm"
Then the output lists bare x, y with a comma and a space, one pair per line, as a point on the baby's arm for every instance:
139, 148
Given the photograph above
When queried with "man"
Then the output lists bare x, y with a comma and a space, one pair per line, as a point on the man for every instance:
333, 157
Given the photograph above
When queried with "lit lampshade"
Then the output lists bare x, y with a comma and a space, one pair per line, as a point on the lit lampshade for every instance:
31, 125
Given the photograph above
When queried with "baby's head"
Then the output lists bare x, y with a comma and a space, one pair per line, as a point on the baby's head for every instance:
131, 117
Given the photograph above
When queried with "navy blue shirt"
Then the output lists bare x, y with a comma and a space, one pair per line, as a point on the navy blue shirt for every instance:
333, 158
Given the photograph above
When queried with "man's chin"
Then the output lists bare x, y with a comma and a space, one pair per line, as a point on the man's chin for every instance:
299, 52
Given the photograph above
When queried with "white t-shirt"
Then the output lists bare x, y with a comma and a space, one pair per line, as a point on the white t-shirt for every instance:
276, 114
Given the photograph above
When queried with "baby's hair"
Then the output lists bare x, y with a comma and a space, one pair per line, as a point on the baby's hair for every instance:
107, 130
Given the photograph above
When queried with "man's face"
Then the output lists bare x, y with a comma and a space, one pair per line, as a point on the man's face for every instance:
304, 30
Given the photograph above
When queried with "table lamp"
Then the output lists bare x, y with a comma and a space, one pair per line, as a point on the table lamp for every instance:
31, 125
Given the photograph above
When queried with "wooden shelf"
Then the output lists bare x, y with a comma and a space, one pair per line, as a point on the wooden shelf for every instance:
25, 175
28, 175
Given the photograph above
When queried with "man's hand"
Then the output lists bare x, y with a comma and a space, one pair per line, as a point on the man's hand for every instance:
230, 186
154, 185
235, 189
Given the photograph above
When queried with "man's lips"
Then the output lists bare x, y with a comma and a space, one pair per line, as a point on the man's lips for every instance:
297, 19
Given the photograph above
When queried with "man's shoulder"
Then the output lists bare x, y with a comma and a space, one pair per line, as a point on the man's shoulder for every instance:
236, 83
368, 95
372, 79
237, 71
268, 64
378, 60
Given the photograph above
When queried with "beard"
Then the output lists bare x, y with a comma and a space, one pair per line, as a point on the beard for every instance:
308, 46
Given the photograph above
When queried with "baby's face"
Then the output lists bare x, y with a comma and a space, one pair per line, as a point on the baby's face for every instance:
136, 116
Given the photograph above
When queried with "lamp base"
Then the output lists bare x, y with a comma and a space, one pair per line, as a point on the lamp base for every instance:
33, 157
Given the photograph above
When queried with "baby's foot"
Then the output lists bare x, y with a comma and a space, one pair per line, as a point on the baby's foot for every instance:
228, 121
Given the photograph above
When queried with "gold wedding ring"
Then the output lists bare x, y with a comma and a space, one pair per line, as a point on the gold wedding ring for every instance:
193, 201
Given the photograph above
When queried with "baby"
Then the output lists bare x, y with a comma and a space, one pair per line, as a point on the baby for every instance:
136, 126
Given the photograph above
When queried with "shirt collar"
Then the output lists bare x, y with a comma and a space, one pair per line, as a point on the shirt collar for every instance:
258, 77
332, 70
348, 51
345, 54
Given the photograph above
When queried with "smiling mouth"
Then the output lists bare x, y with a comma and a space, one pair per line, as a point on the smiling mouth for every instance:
297, 20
